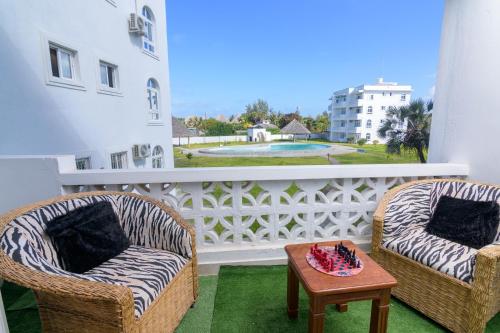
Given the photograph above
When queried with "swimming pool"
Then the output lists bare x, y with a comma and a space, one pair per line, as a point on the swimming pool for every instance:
267, 149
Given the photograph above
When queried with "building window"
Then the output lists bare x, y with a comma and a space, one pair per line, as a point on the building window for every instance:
82, 163
383, 108
153, 96
368, 136
342, 123
357, 123
119, 160
370, 110
342, 111
157, 157
371, 97
360, 96
108, 75
148, 40
359, 110
383, 93
403, 97
369, 123
390, 94
62, 62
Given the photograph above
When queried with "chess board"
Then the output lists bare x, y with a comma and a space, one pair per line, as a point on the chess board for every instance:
340, 268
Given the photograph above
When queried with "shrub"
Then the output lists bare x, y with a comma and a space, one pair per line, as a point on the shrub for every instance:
361, 142
189, 156
350, 139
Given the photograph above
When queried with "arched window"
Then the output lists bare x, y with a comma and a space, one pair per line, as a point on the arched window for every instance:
370, 110
153, 96
369, 123
157, 157
148, 40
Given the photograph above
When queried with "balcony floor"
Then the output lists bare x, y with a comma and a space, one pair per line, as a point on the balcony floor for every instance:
247, 299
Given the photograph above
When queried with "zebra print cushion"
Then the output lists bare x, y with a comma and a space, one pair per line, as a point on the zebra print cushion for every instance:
146, 225
145, 271
405, 219
467, 191
441, 254
409, 208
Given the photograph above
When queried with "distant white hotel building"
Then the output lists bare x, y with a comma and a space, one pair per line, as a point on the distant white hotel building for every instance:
358, 112
88, 78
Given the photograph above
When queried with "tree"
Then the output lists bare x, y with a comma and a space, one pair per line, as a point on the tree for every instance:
321, 123
309, 123
194, 122
256, 112
214, 127
407, 128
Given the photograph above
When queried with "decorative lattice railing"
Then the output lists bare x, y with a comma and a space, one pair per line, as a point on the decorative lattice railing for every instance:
237, 208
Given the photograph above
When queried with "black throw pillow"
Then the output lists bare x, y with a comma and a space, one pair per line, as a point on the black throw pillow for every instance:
467, 222
87, 236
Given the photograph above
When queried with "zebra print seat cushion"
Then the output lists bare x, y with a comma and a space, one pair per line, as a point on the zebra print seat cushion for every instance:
441, 254
146, 225
145, 271
407, 215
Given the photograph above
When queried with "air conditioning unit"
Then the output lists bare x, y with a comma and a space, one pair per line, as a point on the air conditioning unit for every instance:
141, 151
136, 24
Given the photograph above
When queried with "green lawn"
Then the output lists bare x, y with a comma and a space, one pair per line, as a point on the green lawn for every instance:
373, 154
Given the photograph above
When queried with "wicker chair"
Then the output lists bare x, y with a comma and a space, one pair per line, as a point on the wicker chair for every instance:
108, 298
461, 299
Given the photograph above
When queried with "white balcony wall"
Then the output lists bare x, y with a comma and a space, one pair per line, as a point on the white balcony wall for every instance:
40, 117
243, 214
466, 117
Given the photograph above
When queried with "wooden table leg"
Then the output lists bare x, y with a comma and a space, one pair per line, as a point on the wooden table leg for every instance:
341, 307
316, 315
292, 293
380, 312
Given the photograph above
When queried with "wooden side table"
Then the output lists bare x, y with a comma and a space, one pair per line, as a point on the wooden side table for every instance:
373, 282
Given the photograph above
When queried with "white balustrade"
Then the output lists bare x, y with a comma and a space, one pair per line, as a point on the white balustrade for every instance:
265, 207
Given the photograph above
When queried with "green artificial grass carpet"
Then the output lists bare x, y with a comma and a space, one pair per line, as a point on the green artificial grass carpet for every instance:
253, 299
199, 318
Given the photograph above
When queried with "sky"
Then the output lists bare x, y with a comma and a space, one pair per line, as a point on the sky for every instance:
225, 54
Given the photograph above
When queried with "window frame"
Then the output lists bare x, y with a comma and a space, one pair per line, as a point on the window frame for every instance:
146, 39
86, 159
106, 89
368, 123
160, 157
121, 158
403, 97
75, 82
368, 136
369, 110
150, 111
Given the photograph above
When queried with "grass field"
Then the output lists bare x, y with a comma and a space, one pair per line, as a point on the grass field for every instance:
373, 154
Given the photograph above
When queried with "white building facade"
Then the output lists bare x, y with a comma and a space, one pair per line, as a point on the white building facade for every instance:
86, 78
358, 112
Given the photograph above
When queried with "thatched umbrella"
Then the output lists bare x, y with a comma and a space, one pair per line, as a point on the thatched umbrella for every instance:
179, 130
295, 127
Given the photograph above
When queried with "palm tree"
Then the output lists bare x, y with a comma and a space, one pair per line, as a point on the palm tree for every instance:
407, 128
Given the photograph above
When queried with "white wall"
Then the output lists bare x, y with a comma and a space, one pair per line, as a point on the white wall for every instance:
27, 179
38, 118
466, 117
